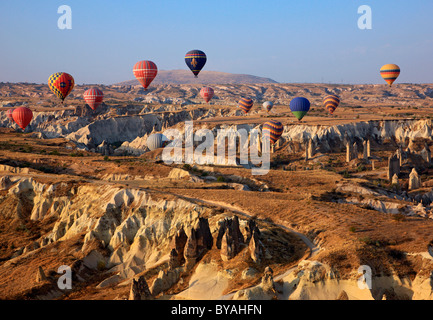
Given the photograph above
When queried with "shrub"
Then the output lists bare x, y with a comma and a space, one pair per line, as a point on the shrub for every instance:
221, 179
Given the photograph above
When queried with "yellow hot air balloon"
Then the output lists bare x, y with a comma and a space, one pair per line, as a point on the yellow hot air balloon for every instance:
390, 73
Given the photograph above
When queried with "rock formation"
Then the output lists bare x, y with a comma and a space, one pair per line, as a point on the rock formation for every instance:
230, 238
40, 276
140, 290
414, 180
256, 247
393, 166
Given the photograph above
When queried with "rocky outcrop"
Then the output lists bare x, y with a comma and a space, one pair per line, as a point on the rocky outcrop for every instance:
414, 180
256, 247
230, 239
140, 290
264, 291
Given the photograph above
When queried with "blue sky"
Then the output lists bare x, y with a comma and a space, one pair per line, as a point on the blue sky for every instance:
288, 41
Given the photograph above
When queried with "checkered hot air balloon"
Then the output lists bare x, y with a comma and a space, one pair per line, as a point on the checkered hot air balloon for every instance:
93, 97
272, 129
145, 71
195, 60
246, 104
390, 73
206, 93
22, 116
61, 84
299, 107
331, 103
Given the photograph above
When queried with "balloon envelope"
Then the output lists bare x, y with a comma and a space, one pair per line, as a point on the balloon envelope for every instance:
299, 107
273, 129
61, 84
195, 60
246, 104
156, 141
93, 97
145, 71
206, 93
268, 105
22, 116
390, 73
331, 103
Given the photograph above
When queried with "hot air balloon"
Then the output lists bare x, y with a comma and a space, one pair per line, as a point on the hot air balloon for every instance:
145, 71
246, 104
272, 129
195, 60
331, 103
268, 105
9, 114
61, 84
390, 73
206, 93
299, 107
22, 116
93, 97
156, 141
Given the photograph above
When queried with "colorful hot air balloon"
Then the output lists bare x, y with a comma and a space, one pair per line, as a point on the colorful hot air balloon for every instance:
390, 73
299, 107
22, 116
268, 105
145, 71
93, 97
206, 93
195, 60
331, 103
156, 141
9, 114
61, 84
246, 104
272, 129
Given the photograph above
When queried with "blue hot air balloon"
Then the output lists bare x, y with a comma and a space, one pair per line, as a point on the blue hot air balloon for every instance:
156, 141
195, 60
299, 107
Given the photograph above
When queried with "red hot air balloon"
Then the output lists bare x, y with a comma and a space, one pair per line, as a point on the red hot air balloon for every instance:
207, 93
93, 97
145, 71
22, 116
9, 114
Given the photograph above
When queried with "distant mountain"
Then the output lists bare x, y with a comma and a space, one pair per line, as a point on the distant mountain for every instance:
205, 77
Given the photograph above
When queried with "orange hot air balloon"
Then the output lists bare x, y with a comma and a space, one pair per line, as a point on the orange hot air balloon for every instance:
206, 93
93, 97
61, 84
22, 116
390, 73
145, 71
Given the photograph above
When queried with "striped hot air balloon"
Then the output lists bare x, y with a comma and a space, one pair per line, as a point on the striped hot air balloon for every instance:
246, 104
61, 84
93, 97
390, 73
268, 105
195, 60
22, 116
9, 114
331, 103
145, 71
206, 93
299, 107
272, 129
